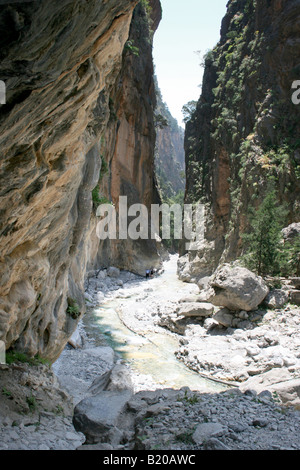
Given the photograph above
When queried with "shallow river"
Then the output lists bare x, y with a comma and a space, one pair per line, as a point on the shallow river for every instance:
151, 353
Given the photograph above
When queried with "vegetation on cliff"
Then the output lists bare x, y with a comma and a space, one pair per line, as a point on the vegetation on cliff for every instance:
245, 130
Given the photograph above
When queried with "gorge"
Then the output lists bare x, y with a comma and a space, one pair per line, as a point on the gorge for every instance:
83, 123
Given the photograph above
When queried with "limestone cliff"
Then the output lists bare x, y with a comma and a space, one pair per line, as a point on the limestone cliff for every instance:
129, 142
245, 130
63, 66
169, 153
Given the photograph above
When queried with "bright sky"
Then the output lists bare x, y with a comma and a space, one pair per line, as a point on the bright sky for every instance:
186, 27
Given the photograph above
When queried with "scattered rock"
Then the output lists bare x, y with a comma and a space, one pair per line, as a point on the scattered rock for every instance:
224, 317
214, 444
99, 446
276, 298
206, 431
113, 272
114, 417
195, 309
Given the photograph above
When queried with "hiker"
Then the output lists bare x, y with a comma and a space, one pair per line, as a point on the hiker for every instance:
147, 273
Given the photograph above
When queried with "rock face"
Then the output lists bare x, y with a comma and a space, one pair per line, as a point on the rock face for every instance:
245, 127
129, 143
62, 65
169, 153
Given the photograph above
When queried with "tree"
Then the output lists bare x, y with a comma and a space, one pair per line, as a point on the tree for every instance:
188, 109
290, 258
264, 240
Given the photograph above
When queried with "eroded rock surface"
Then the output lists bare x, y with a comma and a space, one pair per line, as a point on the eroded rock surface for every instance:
66, 113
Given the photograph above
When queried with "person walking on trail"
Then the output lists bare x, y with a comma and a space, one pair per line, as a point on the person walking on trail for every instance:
147, 273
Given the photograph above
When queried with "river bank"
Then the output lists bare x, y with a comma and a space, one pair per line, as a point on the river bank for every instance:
174, 410
122, 350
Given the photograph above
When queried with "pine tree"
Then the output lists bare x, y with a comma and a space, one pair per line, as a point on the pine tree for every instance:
262, 244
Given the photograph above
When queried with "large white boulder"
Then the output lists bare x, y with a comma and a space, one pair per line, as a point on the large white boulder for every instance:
237, 288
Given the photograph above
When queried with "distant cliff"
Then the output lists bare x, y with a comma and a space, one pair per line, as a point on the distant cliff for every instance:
245, 130
80, 100
169, 152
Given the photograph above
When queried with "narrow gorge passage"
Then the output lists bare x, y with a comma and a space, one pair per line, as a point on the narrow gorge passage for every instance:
124, 320
86, 119
149, 349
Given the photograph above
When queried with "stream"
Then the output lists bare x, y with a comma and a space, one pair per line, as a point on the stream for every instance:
148, 351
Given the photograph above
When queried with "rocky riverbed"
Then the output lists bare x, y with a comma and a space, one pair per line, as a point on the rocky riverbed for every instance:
118, 406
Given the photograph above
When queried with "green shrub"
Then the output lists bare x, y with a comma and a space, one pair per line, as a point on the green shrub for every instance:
129, 46
13, 356
73, 308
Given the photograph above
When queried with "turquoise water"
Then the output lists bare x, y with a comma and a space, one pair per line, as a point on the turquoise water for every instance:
152, 354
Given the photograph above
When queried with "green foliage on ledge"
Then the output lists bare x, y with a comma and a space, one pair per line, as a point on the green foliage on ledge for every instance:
13, 356
73, 308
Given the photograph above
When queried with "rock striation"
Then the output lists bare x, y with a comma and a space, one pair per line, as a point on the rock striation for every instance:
63, 65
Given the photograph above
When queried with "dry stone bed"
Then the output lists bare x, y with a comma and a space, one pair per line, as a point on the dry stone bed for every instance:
232, 420
35, 413
266, 340
248, 417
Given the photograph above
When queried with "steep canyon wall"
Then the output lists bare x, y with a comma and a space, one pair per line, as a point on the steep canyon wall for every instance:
245, 131
73, 106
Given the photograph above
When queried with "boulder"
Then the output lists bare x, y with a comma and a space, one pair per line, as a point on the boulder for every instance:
288, 392
237, 288
117, 378
291, 232
205, 431
224, 317
113, 272
76, 340
98, 417
276, 298
277, 381
295, 297
195, 309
